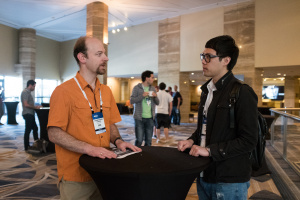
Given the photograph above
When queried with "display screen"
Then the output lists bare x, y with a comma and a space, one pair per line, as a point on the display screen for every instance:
273, 92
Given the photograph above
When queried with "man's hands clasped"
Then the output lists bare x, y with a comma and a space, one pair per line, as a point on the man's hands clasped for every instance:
195, 149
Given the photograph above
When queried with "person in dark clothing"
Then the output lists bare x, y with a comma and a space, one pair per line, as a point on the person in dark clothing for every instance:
229, 173
176, 106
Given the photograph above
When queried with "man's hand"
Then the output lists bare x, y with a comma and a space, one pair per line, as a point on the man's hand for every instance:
101, 152
199, 151
183, 145
123, 145
145, 94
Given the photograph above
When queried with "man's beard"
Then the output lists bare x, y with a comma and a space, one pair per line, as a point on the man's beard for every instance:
101, 71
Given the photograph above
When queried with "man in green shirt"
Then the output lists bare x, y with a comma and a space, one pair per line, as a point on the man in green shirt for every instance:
144, 99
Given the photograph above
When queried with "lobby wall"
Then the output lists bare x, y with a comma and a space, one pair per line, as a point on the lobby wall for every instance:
277, 33
47, 54
9, 51
195, 30
47, 58
133, 51
68, 64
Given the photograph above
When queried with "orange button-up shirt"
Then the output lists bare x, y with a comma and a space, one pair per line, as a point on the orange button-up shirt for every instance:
70, 111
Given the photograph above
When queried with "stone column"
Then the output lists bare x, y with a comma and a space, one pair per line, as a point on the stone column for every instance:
169, 62
239, 22
291, 88
27, 54
97, 26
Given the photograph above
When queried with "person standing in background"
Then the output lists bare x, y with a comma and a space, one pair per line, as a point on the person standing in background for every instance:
170, 90
154, 128
163, 111
144, 99
176, 106
1, 103
28, 113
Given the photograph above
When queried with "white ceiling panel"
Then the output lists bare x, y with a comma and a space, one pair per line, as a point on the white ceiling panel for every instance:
63, 20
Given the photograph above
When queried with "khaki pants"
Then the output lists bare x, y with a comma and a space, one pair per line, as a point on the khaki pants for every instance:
70, 190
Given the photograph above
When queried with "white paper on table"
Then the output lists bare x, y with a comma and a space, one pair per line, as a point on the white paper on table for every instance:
121, 154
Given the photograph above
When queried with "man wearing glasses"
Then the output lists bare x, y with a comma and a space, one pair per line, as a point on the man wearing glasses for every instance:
229, 174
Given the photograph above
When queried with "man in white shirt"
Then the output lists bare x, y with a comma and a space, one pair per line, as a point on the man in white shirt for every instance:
163, 111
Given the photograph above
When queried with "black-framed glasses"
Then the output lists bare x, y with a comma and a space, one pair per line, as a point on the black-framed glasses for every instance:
207, 57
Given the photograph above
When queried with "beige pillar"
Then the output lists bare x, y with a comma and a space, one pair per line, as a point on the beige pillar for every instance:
169, 62
239, 22
291, 88
97, 26
27, 53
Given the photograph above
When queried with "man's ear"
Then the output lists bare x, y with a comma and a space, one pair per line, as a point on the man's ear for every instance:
226, 60
81, 57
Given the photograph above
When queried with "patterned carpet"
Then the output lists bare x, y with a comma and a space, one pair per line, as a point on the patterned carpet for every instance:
34, 176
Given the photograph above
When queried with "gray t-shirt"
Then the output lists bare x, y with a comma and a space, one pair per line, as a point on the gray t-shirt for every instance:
26, 95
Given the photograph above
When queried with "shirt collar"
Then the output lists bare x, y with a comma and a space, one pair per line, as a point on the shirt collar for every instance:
84, 84
211, 86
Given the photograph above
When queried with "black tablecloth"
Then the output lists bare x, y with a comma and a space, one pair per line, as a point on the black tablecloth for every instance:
43, 119
156, 173
11, 107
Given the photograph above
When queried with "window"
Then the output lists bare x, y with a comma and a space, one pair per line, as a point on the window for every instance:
44, 89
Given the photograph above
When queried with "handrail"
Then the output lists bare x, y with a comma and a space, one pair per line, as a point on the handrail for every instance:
284, 132
279, 111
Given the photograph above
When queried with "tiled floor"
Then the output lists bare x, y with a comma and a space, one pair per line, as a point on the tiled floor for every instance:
34, 176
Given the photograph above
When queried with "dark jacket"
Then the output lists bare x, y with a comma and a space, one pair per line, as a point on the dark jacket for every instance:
229, 148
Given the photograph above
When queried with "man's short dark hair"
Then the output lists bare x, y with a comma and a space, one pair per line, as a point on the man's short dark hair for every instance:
31, 82
146, 74
224, 46
80, 47
162, 86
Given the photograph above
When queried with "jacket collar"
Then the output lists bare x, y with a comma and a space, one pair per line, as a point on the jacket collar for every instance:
220, 83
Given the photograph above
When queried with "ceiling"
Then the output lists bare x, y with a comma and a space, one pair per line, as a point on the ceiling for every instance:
63, 20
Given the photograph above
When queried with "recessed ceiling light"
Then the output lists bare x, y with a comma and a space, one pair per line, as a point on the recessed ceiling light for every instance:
262, 75
118, 30
193, 81
284, 74
192, 73
125, 28
278, 74
132, 77
113, 31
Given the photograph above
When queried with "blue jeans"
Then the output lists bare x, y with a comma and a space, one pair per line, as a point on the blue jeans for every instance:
30, 124
143, 129
175, 115
222, 191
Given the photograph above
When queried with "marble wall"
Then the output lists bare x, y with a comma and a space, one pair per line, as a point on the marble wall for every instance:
27, 54
97, 26
169, 62
239, 22
291, 92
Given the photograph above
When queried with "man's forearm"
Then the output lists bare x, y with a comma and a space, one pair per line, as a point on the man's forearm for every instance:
114, 133
65, 140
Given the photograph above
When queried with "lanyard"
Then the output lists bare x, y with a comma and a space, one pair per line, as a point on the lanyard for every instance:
86, 96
